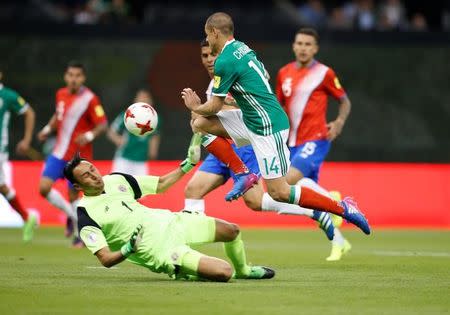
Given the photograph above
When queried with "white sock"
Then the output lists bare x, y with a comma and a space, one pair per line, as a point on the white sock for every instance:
309, 183
268, 204
194, 205
55, 198
338, 237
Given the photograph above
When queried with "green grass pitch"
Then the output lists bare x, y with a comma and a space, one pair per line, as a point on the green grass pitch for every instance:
390, 272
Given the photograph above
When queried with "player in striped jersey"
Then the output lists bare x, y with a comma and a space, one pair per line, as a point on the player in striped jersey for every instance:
261, 121
303, 87
79, 118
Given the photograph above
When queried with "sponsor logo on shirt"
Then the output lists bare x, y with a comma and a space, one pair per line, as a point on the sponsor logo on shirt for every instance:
99, 111
337, 84
216, 81
21, 101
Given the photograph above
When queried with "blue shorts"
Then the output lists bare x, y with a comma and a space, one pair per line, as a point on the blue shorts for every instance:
212, 165
309, 156
54, 169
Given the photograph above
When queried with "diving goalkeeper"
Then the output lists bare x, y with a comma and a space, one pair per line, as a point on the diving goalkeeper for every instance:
115, 227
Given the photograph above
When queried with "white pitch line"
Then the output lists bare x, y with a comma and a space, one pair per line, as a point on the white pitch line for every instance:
410, 253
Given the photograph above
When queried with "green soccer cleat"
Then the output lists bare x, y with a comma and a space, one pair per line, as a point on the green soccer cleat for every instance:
338, 251
29, 227
258, 272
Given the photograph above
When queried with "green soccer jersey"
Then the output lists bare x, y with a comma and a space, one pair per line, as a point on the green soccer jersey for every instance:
10, 101
135, 148
237, 70
109, 219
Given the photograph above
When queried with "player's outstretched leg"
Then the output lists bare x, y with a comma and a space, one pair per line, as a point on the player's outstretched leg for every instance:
353, 215
325, 223
223, 151
235, 250
242, 184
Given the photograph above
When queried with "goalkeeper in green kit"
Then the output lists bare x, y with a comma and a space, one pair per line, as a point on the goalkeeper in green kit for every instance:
115, 227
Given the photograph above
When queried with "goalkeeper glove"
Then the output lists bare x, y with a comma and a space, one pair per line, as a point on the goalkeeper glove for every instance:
193, 155
131, 246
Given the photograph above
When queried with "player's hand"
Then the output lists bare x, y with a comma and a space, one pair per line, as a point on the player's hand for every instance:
194, 153
131, 246
190, 98
22, 147
84, 138
334, 129
42, 135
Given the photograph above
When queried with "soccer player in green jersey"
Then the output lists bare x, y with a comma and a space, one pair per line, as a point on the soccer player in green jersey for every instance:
133, 152
115, 226
11, 101
261, 122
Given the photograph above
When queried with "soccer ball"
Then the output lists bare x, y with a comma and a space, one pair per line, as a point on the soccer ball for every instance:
140, 119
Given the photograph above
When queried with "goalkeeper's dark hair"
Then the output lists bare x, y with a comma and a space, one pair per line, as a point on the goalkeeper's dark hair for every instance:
76, 64
204, 43
70, 166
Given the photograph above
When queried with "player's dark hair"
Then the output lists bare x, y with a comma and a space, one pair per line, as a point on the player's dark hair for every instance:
76, 64
309, 31
222, 21
70, 166
204, 43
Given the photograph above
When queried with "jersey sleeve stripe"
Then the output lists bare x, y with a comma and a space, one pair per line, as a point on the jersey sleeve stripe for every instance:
84, 219
133, 183
219, 94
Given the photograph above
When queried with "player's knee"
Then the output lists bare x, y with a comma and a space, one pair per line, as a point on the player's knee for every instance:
279, 195
253, 204
223, 272
232, 231
44, 190
199, 124
4, 189
193, 191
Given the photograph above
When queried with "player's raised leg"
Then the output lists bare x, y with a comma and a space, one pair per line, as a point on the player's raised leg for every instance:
221, 148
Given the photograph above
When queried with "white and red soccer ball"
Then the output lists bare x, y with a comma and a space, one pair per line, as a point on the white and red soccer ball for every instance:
140, 119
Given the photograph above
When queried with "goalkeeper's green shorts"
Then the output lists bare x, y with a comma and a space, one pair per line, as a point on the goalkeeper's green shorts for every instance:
186, 230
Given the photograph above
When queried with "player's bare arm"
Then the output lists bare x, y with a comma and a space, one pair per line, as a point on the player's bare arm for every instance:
335, 127
24, 145
109, 258
48, 129
92, 134
193, 102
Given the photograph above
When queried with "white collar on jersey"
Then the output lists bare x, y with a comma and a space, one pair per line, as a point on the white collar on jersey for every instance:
1, 86
228, 42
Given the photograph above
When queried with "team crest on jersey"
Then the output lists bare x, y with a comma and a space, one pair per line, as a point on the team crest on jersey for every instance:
337, 84
122, 188
92, 238
21, 101
99, 111
216, 81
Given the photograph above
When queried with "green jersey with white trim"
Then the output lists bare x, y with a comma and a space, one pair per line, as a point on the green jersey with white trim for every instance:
237, 70
10, 101
110, 218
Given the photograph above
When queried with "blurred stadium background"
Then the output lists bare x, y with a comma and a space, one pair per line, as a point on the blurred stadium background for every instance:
392, 57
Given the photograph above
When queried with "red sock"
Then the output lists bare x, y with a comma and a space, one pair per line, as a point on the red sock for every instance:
18, 207
223, 150
313, 200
